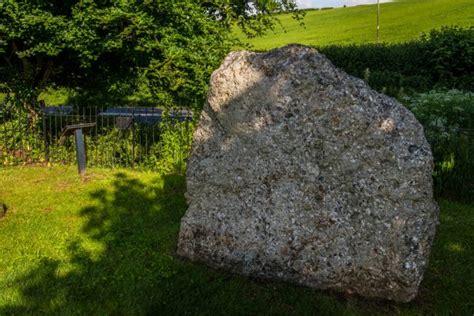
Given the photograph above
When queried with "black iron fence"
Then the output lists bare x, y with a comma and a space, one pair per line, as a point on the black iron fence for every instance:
148, 138
120, 137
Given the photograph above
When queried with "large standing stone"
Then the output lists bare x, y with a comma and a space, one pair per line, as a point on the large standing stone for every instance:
302, 173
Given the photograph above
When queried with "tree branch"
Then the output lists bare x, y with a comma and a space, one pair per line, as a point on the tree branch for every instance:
24, 62
46, 73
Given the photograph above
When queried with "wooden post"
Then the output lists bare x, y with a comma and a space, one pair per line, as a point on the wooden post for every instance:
80, 152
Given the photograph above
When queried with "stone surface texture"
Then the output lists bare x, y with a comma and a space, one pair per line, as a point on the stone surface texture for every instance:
302, 173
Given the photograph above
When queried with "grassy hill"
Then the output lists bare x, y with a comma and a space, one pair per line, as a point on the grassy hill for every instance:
400, 21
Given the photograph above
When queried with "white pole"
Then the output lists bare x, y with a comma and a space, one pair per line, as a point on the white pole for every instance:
378, 21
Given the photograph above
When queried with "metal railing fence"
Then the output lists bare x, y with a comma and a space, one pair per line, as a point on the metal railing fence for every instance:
121, 137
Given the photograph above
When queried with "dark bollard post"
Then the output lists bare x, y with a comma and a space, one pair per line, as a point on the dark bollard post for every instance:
78, 130
80, 152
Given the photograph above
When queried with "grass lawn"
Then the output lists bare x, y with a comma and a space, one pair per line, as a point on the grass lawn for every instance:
107, 246
400, 21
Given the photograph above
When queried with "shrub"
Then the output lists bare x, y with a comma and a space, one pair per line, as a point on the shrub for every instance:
448, 121
20, 137
449, 55
170, 153
440, 59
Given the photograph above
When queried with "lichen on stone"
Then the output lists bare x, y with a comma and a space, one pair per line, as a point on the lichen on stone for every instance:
302, 173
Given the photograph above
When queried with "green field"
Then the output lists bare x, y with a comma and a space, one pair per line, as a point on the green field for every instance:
106, 246
400, 21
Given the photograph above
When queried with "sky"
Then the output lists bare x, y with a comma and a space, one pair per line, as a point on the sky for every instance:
304, 4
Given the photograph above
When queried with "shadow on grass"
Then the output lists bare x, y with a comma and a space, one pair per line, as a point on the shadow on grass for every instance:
135, 225
448, 286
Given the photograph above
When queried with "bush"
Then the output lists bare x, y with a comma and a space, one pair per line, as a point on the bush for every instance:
441, 59
20, 137
170, 154
448, 120
449, 54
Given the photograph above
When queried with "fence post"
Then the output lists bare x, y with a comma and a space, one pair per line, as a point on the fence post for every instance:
45, 133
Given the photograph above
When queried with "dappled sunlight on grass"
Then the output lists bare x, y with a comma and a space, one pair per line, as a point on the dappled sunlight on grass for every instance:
108, 247
115, 255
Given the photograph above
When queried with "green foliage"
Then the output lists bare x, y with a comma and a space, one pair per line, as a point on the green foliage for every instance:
162, 147
441, 59
20, 140
107, 246
384, 67
107, 50
29, 37
170, 154
56, 96
19, 146
111, 147
449, 54
448, 121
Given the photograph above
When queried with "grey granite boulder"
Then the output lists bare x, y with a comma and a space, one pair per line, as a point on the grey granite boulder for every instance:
302, 173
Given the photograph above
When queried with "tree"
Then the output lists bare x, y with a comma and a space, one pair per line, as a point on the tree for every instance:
108, 49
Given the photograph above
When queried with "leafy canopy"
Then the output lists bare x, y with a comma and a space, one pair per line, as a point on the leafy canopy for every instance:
108, 49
